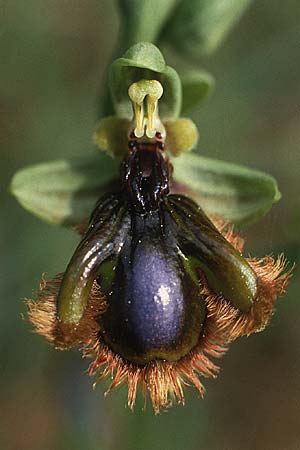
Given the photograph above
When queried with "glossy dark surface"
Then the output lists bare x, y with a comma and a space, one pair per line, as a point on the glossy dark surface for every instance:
226, 271
145, 177
155, 310
108, 224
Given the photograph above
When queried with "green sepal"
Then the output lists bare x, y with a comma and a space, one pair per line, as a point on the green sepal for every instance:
226, 190
144, 61
196, 86
64, 192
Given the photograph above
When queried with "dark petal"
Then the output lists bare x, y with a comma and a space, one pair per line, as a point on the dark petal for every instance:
107, 228
227, 273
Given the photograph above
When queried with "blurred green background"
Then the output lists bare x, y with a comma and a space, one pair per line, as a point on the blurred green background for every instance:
53, 56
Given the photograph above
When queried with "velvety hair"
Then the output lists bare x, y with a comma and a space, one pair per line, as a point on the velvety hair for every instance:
163, 381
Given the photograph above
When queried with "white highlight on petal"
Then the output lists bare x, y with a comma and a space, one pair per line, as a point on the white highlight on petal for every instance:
163, 296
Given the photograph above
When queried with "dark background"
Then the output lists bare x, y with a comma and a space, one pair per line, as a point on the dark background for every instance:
53, 55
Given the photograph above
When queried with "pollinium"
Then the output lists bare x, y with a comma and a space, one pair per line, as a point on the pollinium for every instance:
155, 288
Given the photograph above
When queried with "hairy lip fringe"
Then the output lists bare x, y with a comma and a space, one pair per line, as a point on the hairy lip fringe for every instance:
163, 381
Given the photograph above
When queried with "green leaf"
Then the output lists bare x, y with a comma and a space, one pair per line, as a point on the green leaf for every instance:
143, 19
230, 191
196, 86
144, 61
198, 27
64, 192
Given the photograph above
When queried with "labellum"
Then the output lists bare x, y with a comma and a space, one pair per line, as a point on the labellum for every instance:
155, 289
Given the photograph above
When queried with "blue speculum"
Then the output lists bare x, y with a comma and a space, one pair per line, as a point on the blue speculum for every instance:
151, 253
154, 307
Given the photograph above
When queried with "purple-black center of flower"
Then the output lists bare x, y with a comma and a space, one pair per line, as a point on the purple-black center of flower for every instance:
154, 310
